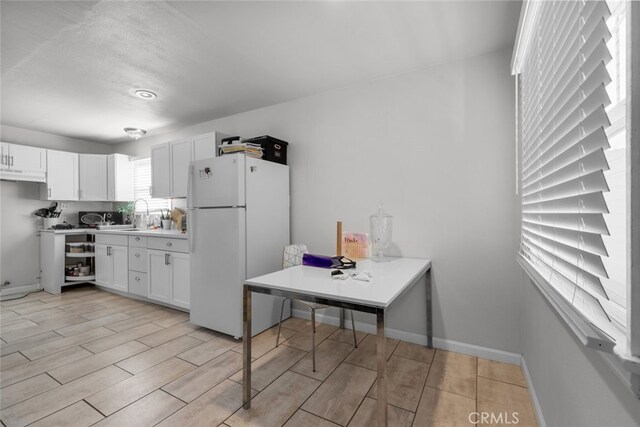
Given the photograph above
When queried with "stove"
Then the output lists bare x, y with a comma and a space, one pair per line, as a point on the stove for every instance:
109, 216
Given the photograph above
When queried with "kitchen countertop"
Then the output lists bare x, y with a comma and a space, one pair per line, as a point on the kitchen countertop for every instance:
174, 234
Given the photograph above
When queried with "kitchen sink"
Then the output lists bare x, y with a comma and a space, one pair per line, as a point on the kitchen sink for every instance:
116, 227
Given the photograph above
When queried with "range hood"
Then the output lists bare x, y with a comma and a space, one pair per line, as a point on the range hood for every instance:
18, 175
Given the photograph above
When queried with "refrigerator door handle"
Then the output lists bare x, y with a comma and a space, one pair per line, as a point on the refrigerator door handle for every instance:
190, 211
190, 187
191, 215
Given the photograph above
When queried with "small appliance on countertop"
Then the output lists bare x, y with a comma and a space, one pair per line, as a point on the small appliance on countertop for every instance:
93, 219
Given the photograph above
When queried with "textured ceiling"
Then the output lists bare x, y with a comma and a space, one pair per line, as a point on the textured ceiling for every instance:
69, 67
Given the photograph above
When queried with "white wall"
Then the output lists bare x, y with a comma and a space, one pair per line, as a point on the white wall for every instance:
436, 145
574, 385
48, 140
19, 241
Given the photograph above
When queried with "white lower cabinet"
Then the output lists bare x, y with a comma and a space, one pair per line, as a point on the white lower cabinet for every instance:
156, 268
138, 259
138, 283
168, 277
112, 269
180, 279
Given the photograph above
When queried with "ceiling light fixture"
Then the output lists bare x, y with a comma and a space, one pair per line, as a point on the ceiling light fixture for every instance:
135, 133
145, 94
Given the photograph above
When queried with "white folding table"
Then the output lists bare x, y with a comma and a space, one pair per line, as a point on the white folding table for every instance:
390, 280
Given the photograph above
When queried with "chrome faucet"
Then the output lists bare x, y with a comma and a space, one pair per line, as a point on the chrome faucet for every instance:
145, 202
145, 220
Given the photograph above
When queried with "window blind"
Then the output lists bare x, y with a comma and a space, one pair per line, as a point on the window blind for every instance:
142, 185
563, 131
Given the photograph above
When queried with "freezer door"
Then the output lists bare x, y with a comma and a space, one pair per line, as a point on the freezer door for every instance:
217, 182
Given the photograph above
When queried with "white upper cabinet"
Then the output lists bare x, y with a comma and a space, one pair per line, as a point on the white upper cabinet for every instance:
181, 155
70, 176
22, 163
119, 178
170, 163
27, 159
204, 146
62, 176
161, 171
106, 177
93, 177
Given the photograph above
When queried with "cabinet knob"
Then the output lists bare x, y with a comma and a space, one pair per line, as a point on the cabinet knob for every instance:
169, 244
137, 239
137, 255
138, 278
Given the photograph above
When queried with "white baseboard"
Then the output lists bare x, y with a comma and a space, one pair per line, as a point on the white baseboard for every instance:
10, 290
442, 343
139, 297
534, 397
478, 351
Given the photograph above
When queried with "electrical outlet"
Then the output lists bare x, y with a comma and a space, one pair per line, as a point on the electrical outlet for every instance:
64, 205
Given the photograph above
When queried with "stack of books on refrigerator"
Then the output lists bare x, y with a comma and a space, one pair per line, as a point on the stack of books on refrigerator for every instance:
237, 146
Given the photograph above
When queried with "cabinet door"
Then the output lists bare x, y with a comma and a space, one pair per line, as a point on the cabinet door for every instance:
93, 177
161, 171
104, 265
180, 159
120, 259
52, 261
180, 280
204, 146
119, 178
138, 283
137, 259
159, 276
4, 156
62, 175
27, 159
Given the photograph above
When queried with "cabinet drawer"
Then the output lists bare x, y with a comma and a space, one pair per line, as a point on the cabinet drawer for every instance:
138, 283
138, 259
111, 239
172, 245
138, 241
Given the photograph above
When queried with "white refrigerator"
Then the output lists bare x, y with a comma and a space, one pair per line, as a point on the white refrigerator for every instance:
238, 224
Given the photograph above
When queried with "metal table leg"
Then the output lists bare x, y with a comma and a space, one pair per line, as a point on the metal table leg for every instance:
429, 312
341, 318
382, 369
246, 347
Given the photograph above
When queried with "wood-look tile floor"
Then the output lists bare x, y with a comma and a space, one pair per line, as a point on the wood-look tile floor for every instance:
88, 357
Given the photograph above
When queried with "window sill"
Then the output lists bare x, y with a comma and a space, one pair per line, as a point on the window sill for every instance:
614, 351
